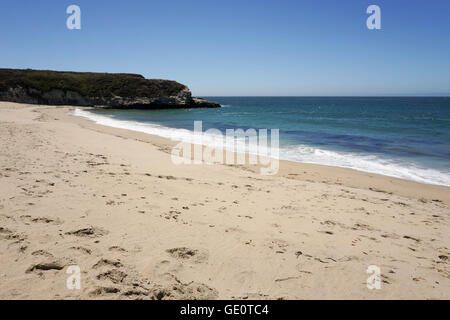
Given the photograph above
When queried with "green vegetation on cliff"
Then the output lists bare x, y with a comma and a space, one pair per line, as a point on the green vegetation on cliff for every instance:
89, 84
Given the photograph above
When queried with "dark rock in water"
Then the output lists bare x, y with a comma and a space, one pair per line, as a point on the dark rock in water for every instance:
203, 103
106, 90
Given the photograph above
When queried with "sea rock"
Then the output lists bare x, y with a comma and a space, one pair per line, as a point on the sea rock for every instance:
203, 103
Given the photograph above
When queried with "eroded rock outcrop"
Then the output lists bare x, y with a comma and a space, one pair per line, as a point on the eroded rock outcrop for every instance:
106, 90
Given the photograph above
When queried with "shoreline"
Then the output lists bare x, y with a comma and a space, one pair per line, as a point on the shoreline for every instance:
188, 135
288, 169
111, 202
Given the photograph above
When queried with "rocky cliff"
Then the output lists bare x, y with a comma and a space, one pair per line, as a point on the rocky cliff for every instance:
107, 90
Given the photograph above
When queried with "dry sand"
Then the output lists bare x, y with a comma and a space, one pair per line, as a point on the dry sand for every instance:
139, 227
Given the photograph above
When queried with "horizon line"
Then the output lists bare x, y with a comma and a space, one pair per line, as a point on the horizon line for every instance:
325, 96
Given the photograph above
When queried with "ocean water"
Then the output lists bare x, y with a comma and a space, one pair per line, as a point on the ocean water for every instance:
401, 137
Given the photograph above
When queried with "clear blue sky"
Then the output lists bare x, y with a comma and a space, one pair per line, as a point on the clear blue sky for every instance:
242, 47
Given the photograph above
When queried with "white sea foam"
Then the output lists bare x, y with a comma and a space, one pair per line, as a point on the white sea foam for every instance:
367, 163
299, 153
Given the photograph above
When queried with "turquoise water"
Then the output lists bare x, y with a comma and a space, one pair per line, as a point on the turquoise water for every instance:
402, 137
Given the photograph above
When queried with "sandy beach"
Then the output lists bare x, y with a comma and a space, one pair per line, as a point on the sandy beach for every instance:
139, 227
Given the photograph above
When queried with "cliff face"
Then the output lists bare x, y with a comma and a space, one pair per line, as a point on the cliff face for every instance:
107, 90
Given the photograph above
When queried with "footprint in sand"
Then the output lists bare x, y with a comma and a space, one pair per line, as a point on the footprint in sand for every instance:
7, 234
172, 214
117, 249
165, 267
174, 289
100, 291
185, 253
42, 253
48, 265
30, 219
82, 249
107, 263
90, 232
280, 246
114, 275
